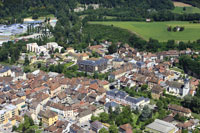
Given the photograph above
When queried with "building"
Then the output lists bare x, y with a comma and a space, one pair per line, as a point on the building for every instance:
76, 129
156, 92
177, 88
180, 110
33, 47
91, 66
96, 126
123, 98
53, 46
112, 105
5, 72
49, 117
126, 128
6, 112
20, 103
160, 126
123, 70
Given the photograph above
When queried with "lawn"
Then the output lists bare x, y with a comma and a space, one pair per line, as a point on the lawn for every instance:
180, 10
177, 69
158, 30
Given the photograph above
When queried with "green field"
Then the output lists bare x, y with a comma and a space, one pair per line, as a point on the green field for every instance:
180, 10
158, 30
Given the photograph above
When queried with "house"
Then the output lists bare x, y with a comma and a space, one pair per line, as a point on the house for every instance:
156, 92
180, 110
91, 66
33, 47
117, 62
188, 125
96, 126
76, 129
70, 50
85, 115
53, 46
177, 88
49, 117
140, 64
137, 102
112, 105
5, 72
122, 98
160, 126
20, 103
126, 128
60, 109
8, 111
123, 70
59, 127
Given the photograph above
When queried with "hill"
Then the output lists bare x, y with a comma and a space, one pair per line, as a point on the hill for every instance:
158, 30
195, 3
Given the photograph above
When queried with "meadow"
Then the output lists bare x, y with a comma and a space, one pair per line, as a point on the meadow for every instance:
182, 8
158, 30
187, 10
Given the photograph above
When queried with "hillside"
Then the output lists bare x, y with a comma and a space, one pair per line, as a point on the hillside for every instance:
158, 30
195, 3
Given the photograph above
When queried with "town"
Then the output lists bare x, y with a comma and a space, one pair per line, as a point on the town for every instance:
99, 66
126, 80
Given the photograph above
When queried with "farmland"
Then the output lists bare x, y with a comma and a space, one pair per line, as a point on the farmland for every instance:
181, 8
158, 30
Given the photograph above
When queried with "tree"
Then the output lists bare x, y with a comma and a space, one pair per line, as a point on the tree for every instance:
146, 113
169, 28
40, 124
56, 50
42, 54
144, 87
62, 50
174, 29
95, 76
160, 105
14, 128
26, 61
112, 48
104, 117
94, 118
170, 44
39, 65
103, 130
113, 129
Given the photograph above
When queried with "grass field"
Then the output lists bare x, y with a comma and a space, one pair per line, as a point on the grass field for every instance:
188, 10
184, 8
158, 30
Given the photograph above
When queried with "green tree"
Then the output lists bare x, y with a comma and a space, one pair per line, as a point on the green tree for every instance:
94, 118
112, 48
146, 113
160, 105
113, 129
144, 87
14, 128
42, 54
26, 61
56, 50
40, 124
104, 117
62, 50
103, 130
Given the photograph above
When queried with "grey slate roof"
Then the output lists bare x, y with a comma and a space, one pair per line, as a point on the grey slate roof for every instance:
111, 104
93, 63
